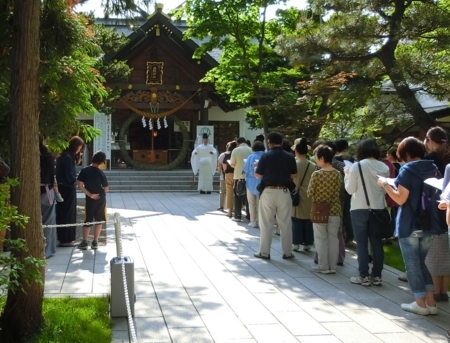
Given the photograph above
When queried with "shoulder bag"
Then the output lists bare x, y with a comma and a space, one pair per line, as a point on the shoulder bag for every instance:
379, 220
295, 194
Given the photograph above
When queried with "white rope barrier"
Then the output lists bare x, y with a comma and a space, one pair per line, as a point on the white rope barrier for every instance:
75, 224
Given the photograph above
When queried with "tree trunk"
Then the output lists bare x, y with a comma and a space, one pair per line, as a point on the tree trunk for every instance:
405, 94
22, 316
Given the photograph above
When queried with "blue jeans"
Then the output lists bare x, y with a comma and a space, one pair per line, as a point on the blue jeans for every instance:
302, 231
360, 224
414, 250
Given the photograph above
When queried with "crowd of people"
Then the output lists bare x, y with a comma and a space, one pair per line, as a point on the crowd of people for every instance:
354, 200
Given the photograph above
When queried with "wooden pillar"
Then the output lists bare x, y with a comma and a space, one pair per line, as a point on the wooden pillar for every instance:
204, 102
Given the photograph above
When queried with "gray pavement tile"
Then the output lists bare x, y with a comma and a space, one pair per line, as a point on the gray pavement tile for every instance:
318, 339
225, 326
151, 329
147, 307
277, 302
350, 332
373, 321
399, 337
425, 330
342, 300
323, 312
316, 284
358, 291
182, 317
189, 335
144, 289
120, 336
271, 333
173, 296
300, 323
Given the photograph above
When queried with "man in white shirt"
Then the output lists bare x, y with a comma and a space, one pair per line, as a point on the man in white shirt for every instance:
237, 162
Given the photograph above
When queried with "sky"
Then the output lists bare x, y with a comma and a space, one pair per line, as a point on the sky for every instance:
95, 5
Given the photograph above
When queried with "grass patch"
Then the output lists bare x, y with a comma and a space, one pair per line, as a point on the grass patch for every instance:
393, 256
76, 320
69, 320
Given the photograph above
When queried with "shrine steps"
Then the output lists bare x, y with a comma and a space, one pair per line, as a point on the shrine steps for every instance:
130, 180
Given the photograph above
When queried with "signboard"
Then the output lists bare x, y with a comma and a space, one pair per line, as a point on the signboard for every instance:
103, 143
208, 129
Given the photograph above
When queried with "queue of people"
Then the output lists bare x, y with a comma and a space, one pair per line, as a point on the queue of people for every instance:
355, 190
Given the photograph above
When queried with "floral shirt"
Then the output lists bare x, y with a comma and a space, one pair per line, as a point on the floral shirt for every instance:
325, 186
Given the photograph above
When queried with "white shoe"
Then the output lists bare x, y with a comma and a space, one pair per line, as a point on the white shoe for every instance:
295, 247
433, 310
306, 248
414, 308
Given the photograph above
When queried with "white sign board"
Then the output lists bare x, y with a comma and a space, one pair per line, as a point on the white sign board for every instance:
103, 143
209, 130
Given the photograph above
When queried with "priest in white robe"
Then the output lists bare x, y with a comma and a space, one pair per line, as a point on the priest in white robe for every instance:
204, 162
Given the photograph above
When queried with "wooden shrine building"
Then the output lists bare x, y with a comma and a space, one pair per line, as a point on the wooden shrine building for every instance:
165, 102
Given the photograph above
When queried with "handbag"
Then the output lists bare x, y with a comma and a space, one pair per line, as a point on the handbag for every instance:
379, 220
320, 211
295, 194
241, 188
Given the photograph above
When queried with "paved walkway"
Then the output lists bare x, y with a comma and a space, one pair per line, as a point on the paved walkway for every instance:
197, 281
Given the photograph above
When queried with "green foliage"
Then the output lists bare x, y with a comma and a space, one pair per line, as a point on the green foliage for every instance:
12, 269
74, 320
408, 41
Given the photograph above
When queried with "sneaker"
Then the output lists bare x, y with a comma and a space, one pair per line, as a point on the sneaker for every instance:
363, 281
316, 269
288, 257
94, 245
58, 197
306, 248
402, 277
295, 247
433, 310
236, 219
277, 232
414, 308
253, 224
83, 245
375, 280
264, 257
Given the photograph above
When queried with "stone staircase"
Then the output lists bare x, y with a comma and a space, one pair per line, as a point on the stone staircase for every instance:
131, 180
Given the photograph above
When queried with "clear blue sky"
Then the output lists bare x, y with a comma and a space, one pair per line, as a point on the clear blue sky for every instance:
94, 5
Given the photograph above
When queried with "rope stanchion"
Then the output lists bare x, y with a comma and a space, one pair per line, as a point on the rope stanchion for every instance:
118, 232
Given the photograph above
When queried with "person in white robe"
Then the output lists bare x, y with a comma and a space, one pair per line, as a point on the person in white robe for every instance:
204, 163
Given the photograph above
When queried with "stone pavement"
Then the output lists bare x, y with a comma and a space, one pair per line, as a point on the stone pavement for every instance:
196, 281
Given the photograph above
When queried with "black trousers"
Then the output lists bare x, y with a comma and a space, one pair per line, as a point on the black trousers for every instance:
66, 213
239, 202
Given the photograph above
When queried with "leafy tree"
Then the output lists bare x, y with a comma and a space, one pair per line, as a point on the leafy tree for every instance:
45, 84
250, 73
406, 41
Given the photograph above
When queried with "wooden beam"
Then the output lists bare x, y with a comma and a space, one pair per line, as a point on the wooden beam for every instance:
125, 87
162, 106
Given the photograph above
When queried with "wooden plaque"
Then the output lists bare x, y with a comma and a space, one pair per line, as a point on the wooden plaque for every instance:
154, 73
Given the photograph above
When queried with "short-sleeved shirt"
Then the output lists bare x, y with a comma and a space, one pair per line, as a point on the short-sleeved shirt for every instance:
325, 186
94, 180
238, 155
276, 167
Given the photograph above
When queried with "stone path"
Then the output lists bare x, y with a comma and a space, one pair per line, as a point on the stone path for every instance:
196, 281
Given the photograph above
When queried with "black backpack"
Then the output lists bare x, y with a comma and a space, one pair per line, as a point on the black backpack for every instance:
428, 215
